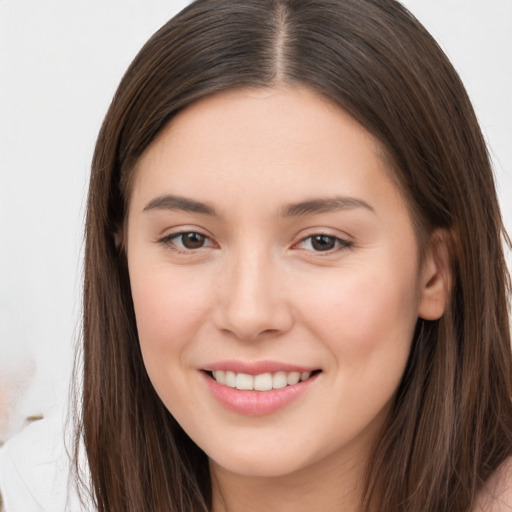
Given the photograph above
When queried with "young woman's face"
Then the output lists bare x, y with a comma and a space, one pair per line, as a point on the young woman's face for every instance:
267, 243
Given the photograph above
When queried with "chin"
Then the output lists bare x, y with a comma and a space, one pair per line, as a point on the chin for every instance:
269, 467
262, 461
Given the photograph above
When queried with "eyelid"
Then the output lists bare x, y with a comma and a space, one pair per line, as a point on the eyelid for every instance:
342, 242
168, 240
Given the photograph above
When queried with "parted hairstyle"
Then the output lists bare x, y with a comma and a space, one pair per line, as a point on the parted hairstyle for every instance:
450, 424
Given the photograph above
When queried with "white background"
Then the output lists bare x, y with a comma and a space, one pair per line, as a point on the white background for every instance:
60, 62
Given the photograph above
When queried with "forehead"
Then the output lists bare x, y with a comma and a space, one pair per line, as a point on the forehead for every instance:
285, 143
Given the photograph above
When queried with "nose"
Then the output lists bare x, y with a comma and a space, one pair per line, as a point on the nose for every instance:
251, 297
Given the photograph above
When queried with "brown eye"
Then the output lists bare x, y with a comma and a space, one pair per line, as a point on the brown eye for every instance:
192, 240
186, 241
323, 242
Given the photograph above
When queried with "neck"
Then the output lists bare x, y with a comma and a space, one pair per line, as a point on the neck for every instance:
325, 486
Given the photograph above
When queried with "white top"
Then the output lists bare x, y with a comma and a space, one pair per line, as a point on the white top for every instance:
35, 469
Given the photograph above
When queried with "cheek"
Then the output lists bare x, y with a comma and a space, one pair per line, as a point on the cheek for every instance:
169, 309
366, 320
364, 312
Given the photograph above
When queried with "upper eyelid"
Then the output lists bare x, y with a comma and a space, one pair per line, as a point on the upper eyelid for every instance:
180, 230
340, 239
343, 244
177, 234
343, 240
318, 231
168, 242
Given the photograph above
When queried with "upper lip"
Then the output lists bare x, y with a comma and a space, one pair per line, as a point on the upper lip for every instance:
258, 367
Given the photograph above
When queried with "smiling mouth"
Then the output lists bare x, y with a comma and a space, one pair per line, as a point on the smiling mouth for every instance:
260, 382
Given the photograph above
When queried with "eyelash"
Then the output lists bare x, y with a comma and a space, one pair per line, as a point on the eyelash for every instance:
339, 243
169, 241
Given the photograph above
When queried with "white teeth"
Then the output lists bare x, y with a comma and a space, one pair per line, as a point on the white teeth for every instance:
261, 382
279, 380
220, 376
292, 378
244, 381
230, 379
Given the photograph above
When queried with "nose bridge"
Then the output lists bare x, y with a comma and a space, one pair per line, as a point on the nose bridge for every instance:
252, 301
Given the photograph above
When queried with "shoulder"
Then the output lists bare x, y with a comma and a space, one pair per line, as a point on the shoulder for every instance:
496, 494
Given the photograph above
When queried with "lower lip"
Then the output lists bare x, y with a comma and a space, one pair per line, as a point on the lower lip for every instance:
256, 403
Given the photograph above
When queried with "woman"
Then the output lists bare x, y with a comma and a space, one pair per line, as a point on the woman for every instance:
295, 290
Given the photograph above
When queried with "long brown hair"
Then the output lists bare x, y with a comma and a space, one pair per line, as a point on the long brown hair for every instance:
451, 421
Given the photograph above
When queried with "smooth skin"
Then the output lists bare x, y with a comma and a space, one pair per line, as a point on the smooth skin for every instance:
230, 260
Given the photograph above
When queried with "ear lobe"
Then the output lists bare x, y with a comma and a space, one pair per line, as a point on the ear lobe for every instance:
435, 277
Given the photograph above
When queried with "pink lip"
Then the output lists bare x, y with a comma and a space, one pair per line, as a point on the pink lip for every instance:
256, 403
258, 367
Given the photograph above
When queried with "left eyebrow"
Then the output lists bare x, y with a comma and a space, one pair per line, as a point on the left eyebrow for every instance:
322, 205
172, 202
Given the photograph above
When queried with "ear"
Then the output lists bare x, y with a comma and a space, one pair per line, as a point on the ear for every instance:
435, 276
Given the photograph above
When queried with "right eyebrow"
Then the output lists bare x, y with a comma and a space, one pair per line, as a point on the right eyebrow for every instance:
321, 205
172, 202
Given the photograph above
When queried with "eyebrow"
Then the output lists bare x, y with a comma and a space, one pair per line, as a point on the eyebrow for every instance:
322, 205
309, 207
172, 202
